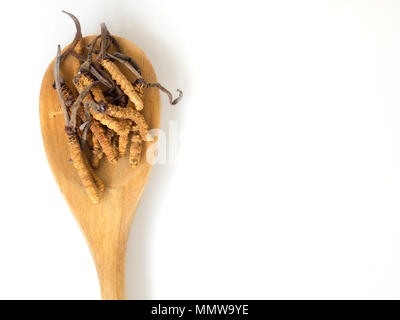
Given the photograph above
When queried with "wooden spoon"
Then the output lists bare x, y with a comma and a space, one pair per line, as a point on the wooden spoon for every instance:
105, 226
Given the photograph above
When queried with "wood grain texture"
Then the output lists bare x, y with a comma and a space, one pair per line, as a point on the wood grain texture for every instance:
105, 226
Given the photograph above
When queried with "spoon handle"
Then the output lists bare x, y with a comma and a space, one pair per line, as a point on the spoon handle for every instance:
110, 265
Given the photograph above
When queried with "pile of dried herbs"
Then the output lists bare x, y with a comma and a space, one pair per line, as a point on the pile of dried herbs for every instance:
105, 119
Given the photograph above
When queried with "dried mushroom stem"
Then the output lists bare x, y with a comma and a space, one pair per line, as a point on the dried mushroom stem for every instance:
78, 51
57, 80
127, 62
78, 36
67, 94
68, 100
78, 102
93, 68
120, 56
103, 77
90, 45
113, 41
172, 101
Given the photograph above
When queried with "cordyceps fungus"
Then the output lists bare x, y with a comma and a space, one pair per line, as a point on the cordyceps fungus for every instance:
78, 158
57, 82
77, 104
78, 36
116, 73
106, 116
131, 65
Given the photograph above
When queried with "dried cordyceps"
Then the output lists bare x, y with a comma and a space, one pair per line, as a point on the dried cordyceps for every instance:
78, 50
97, 180
105, 118
116, 74
97, 152
86, 81
113, 139
140, 87
129, 113
104, 142
77, 157
119, 126
83, 171
123, 141
123, 82
77, 104
78, 36
135, 150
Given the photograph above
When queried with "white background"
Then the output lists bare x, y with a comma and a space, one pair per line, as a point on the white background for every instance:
287, 182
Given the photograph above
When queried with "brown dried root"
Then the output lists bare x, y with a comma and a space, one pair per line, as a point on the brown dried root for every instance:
135, 150
105, 144
129, 113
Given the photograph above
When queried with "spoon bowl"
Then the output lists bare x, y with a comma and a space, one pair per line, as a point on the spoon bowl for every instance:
106, 225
